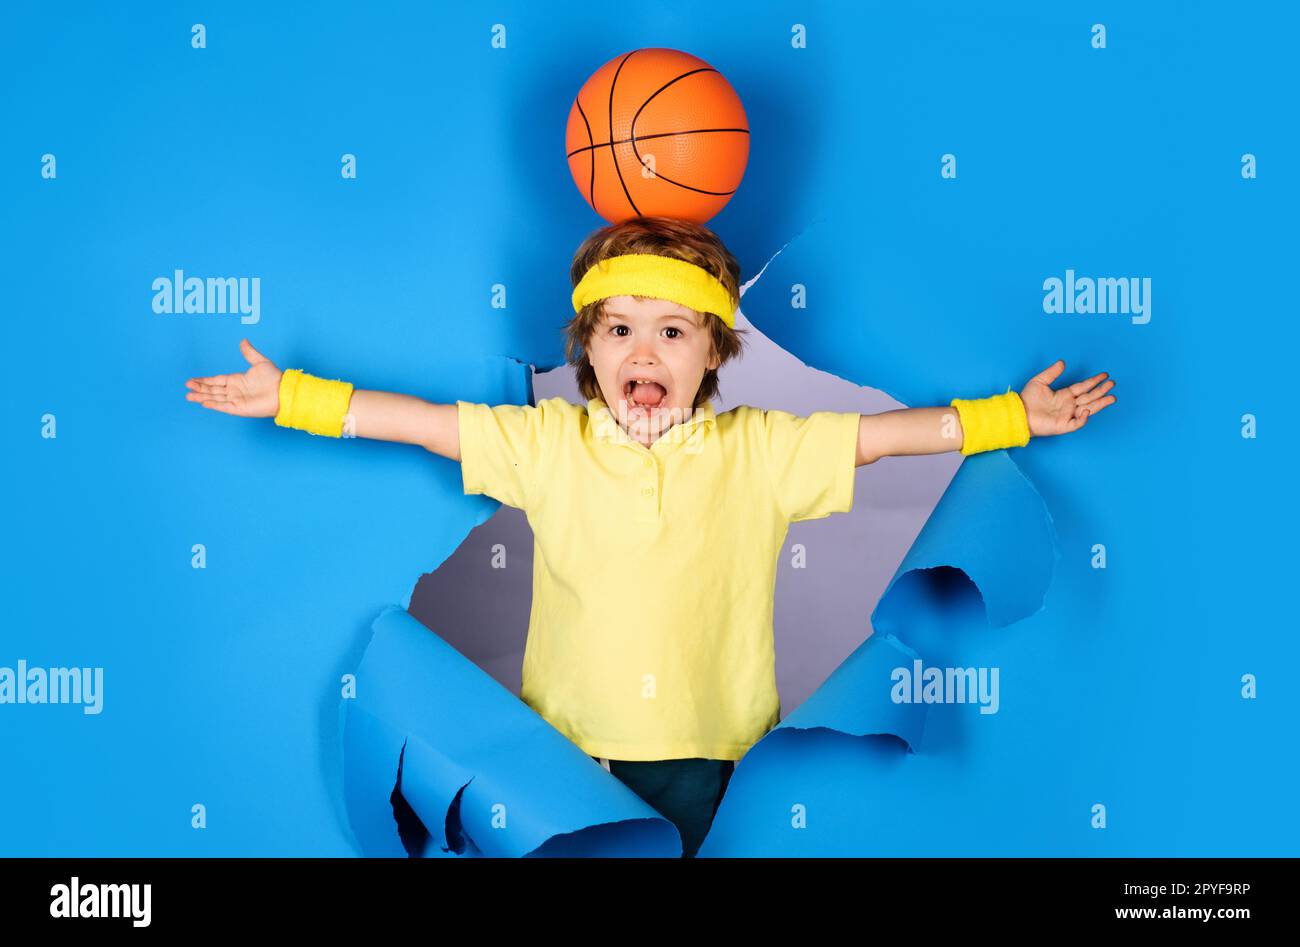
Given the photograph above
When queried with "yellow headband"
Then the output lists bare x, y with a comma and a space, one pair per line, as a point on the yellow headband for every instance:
648, 274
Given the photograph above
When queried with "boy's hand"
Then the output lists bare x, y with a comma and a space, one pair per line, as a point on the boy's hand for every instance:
1066, 409
253, 394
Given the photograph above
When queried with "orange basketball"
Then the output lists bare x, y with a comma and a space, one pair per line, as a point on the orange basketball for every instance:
657, 132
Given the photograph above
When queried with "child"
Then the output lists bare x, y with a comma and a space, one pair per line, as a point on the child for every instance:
657, 522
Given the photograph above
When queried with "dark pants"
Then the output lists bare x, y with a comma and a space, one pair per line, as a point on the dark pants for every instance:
685, 792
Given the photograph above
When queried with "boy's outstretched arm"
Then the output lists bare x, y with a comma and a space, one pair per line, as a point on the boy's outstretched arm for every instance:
389, 416
907, 431
379, 415
938, 430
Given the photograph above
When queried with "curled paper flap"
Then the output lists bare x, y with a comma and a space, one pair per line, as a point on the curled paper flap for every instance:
478, 759
992, 525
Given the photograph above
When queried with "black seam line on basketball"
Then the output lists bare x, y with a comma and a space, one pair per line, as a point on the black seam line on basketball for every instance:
698, 190
614, 157
689, 72
626, 141
637, 154
591, 188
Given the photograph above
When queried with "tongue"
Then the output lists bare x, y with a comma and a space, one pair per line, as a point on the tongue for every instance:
648, 393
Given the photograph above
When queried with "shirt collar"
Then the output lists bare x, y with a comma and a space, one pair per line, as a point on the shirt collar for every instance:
606, 427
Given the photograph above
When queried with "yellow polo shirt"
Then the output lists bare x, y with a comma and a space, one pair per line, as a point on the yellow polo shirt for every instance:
654, 568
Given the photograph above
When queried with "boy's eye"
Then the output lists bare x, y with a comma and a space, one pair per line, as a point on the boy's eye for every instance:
616, 331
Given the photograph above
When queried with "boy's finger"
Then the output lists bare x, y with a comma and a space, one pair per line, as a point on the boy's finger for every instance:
250, 353
1079, 387
203, 396
1095, 393
1050, 373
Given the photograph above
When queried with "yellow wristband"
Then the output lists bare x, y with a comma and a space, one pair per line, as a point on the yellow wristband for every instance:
313, 404
992, 423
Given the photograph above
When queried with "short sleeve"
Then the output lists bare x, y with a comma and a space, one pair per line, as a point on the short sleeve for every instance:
501, 450
812, 461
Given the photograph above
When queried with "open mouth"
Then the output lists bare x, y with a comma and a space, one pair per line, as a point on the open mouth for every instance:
645, 394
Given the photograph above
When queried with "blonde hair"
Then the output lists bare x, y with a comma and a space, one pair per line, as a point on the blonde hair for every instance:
664, 236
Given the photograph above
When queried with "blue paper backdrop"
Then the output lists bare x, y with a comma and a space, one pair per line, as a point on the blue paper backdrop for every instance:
221, 685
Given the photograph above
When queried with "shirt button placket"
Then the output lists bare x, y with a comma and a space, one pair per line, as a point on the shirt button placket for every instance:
649, 500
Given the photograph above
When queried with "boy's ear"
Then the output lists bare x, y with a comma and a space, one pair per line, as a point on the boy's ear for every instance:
715, 360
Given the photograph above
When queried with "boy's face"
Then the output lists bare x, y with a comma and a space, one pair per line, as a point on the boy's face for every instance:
654, 339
